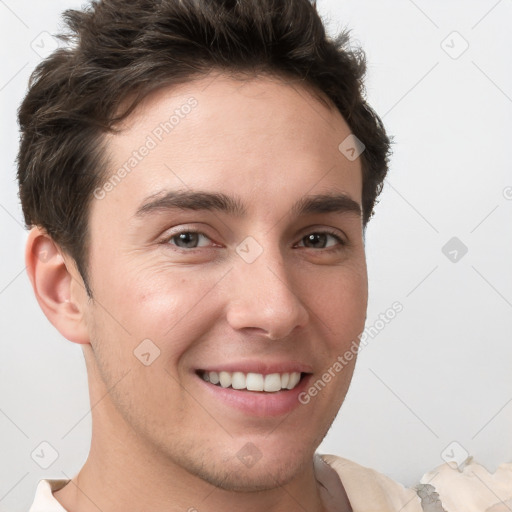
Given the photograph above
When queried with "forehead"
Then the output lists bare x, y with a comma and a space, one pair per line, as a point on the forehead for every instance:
263, 138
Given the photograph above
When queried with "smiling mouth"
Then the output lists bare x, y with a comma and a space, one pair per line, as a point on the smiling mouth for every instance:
240, 381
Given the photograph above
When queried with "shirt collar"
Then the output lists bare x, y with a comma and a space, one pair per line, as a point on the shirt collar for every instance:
44, 500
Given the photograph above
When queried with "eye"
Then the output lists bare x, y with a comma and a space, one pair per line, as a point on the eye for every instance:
187, 239
318, 239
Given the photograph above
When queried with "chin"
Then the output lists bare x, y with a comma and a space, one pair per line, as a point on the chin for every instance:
235, 477
248, 469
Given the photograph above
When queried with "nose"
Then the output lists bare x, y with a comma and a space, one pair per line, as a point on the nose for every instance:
264, 297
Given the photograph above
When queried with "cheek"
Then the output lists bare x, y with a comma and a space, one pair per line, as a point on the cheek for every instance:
144, 302
340, 301
169, 308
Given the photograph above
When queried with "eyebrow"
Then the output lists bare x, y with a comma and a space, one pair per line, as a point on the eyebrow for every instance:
233, 205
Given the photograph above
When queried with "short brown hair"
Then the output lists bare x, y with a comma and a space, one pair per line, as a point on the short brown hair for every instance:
121, 50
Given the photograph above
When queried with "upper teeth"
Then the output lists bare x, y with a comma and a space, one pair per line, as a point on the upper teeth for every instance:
253, 381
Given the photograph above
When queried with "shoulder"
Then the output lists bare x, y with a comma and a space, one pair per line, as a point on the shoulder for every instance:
472, 487
367, 489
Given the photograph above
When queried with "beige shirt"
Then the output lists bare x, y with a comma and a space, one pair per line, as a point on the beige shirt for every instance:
444, 489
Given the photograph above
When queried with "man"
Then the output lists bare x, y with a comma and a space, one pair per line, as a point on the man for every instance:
198, 176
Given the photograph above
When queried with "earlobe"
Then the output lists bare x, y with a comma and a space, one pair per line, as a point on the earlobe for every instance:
56, 285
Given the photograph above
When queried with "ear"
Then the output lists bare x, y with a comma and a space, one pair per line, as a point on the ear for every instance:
57, 285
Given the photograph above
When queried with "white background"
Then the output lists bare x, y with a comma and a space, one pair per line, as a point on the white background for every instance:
441, 370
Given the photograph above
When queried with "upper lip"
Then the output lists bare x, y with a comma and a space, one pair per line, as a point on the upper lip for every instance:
263, 367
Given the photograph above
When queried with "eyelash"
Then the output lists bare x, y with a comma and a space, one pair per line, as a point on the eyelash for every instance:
334, 234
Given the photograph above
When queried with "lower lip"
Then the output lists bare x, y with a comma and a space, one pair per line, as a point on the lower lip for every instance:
259, 403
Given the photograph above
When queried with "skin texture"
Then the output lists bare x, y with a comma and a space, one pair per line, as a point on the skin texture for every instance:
271, 143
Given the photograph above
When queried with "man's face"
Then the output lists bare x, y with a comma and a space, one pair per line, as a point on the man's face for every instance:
269, 291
